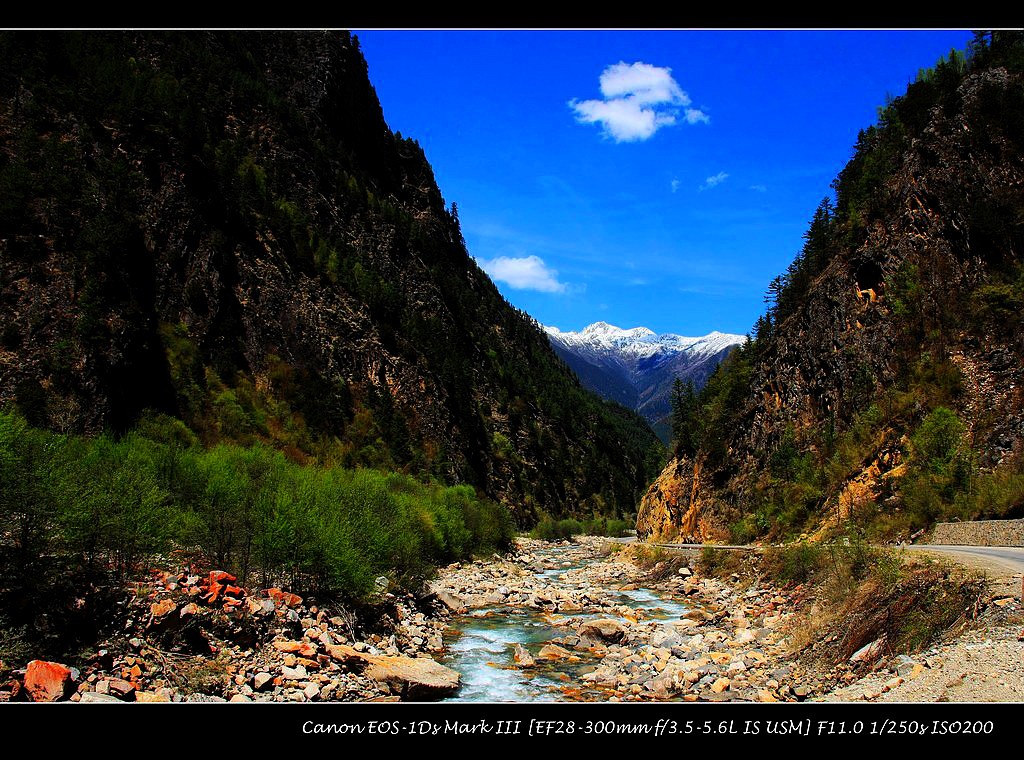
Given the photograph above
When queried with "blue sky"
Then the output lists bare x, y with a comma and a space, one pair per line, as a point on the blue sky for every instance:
639, 178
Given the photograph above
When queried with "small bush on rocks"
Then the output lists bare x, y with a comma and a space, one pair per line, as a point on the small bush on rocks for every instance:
719, 563
793, 563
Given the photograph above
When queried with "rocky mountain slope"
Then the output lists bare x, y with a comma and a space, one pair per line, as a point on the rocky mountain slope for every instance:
221, 228
884, 386
637, 367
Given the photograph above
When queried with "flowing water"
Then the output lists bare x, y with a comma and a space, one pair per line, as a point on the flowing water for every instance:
480, 645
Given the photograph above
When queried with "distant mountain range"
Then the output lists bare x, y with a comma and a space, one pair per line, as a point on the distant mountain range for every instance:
637, 367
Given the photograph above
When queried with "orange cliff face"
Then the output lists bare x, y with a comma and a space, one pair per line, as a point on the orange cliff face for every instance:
676, 506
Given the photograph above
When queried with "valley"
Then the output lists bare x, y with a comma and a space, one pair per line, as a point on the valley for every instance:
270, 432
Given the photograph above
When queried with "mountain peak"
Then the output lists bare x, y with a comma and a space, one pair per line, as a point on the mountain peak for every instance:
637, 367
640, 341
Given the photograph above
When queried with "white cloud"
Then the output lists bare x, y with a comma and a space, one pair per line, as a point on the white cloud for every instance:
759, 188
639, 99
527, 273
714, 181
642, 82
697, 116
674, 184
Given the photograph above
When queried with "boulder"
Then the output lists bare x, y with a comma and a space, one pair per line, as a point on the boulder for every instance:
523, 658
302, 648
347, 655
91, 696
666, 638
417, 678
47, 681
605, 629
453, 602
162, 608
297, 673
150, 696
721, 685
869, 652
284, 597
123, 690
189, 610
555, 652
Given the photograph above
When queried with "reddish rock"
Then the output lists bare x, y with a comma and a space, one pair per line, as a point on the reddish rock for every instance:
303, 648
523, 658
47, 681
234, 591
213, 591
122, 689
216, 576
346, 654
284, 597
165, 607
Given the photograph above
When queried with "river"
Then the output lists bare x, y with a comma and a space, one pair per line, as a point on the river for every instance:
480, 645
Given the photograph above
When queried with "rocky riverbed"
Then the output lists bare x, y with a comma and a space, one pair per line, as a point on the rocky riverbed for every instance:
578, 621
617, 635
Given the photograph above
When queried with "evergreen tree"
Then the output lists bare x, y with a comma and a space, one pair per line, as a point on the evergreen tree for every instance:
684, 410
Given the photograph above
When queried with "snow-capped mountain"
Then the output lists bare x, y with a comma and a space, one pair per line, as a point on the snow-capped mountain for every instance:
637, 367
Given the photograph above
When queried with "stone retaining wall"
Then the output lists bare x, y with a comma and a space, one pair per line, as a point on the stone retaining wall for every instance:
980, 533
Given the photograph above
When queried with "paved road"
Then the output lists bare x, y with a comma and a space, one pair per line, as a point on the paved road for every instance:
1009, 557
1002, 560
633, 539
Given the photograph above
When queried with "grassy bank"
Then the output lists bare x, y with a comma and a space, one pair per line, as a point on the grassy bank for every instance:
867, 594
848, 593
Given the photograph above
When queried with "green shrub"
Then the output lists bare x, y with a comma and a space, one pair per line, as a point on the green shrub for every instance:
719, 562
116, 503
938, 442
793, 563
994, 495
550, 529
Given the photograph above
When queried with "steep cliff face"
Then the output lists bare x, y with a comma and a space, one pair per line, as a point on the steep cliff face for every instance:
222, 228
909, 310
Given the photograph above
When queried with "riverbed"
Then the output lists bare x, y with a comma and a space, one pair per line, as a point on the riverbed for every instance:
582, 621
